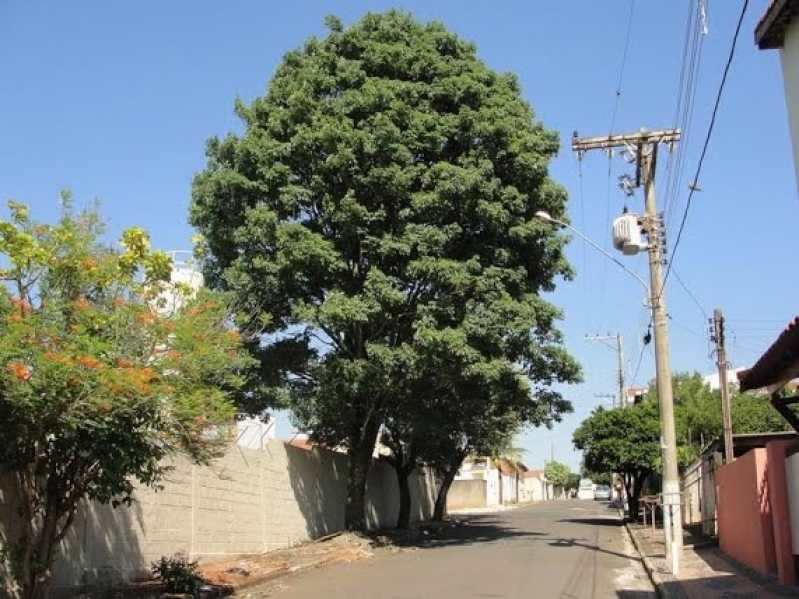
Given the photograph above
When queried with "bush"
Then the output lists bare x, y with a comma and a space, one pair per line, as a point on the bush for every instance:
178, 574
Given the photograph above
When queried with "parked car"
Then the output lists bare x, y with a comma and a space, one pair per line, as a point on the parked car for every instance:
586, 489
602, 493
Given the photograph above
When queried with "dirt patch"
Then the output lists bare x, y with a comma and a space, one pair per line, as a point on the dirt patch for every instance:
255, 569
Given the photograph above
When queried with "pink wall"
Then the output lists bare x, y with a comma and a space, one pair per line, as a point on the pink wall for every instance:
744, 512
781, 516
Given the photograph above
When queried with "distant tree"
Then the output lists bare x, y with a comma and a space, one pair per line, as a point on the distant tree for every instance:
557, 473
574, 482
626, 441
697, 412
754, 414
600, 478
106, 369
379, 204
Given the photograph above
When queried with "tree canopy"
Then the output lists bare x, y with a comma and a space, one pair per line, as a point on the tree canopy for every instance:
626, 441
106, 369
377, 210
557, 473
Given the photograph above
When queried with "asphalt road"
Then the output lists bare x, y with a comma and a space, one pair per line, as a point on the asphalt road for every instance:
567, 549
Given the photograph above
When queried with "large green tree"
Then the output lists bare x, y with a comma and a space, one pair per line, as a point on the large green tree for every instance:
557, 473
380, 204
624, 441
106, 370
697, 414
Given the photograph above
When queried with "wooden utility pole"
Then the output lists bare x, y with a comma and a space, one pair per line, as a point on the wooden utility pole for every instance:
643, 146
619, 349
721, 363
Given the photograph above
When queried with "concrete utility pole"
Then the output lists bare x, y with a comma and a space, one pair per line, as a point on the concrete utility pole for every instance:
721, 362
643, 146
619, 349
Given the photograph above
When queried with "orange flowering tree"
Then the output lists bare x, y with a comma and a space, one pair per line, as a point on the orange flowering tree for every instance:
106, 369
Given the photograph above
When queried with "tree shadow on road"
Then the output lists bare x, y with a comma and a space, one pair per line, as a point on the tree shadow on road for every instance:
463, 531
594, 521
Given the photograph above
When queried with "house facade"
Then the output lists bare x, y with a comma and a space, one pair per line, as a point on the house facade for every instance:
778, 29
486, 482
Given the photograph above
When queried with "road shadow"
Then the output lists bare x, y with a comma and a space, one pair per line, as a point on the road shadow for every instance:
474, 529
616, 522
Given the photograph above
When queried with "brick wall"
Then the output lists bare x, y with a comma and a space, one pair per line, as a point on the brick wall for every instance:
247, 501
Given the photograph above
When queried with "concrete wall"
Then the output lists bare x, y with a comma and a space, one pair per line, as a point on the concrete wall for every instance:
698, 485
532, 489
466, 494
248, 501
510, 488
790, 74
744, 512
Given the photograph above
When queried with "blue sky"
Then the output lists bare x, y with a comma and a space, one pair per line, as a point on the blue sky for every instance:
115, 101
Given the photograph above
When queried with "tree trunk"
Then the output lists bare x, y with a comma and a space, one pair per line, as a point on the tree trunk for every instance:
404, 517
360, 459
440, 509
634, 496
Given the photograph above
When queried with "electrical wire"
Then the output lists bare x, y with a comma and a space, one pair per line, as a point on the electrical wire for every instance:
640, 361
614, 114
686, 92
623, 64
704, 147
691, 295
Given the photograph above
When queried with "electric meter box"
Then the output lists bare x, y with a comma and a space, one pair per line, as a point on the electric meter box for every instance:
627, 235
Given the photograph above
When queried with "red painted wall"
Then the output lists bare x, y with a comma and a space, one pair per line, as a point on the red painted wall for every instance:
744, 512
780, 514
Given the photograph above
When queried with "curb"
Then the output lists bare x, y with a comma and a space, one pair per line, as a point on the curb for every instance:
284, 571
666, 586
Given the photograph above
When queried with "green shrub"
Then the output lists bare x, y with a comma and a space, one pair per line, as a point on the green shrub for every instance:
178, 574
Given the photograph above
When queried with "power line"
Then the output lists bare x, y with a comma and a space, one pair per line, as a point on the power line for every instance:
704, 146
646, 341
691, 58
623, 64
691, 294
614, 114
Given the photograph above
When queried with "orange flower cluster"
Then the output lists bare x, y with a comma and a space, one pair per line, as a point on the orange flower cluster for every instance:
89, 362
58, 358
81, 304
22, 305
19, 370
145, 318
205, 306
141, 378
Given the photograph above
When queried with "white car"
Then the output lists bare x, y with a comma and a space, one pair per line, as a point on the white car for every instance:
602, 493
586, 489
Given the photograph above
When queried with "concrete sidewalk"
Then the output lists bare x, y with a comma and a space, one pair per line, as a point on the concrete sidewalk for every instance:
705, 572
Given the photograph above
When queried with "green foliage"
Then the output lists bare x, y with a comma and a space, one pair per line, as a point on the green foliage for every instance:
574, 481
600, 478
626, 441
697, 414
106, 369
377, 218
177, 574
620, 440
557, 473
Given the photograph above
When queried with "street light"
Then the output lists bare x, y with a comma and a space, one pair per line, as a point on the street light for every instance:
547, 217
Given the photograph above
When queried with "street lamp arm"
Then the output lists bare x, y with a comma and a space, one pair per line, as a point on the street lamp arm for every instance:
600, 249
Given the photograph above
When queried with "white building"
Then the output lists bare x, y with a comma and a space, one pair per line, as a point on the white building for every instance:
534, 486
501, 479
778, 28
712, 380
